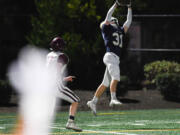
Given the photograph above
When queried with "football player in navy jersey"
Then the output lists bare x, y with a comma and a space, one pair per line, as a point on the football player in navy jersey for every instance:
60, 59
112, 35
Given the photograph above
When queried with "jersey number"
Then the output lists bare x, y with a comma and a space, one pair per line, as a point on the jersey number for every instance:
118, 40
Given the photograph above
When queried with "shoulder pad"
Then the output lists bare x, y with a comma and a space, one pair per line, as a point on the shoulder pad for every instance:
63, 58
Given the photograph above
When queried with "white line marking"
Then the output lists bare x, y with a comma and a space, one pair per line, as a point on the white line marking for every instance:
2, 127
101, 132
110, 132
138, 124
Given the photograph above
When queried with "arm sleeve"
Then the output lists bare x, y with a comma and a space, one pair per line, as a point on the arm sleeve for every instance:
129, 18
110, 12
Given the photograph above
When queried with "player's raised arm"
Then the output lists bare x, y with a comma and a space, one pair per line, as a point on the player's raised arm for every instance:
109, 14
127, 24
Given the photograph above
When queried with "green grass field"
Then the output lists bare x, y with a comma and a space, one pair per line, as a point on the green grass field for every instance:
138, 122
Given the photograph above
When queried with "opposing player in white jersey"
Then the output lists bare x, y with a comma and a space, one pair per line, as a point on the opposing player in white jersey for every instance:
112, 35
58, 57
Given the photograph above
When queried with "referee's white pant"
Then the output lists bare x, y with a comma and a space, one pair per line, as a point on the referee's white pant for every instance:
112, 71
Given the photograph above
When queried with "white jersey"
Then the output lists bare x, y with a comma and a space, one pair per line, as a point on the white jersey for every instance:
58, 61
52, 61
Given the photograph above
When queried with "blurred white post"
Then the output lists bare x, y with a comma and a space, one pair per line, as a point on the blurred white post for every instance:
36, 85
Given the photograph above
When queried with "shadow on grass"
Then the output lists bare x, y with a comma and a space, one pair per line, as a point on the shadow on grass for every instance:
127, 100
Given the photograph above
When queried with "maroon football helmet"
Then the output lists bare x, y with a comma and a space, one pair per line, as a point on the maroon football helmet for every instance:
57, 44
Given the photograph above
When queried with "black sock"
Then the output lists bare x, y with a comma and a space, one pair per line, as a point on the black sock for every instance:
71, 117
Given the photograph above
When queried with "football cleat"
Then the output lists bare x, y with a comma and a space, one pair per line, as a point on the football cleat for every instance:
71, 125
92, 106
114, 102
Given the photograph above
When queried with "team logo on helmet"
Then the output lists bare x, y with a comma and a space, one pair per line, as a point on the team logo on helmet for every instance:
57, 44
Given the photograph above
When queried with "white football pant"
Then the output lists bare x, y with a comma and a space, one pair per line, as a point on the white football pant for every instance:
112, 71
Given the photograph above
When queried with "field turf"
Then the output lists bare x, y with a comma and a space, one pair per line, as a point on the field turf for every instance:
137, 122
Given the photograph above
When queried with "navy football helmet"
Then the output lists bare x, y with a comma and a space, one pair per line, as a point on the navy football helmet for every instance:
57, 44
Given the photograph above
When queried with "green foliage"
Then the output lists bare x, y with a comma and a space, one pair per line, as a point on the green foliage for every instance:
77, 22
84, 61
43, 25
152, 69
79, 9
58, 17
169, 85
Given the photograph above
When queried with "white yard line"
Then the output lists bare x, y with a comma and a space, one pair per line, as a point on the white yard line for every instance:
2, 128
95, 131
110, 132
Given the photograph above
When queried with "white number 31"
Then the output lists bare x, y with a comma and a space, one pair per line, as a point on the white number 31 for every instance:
118, 41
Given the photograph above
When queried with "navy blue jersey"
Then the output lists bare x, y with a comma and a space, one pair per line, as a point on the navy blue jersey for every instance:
113, 38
